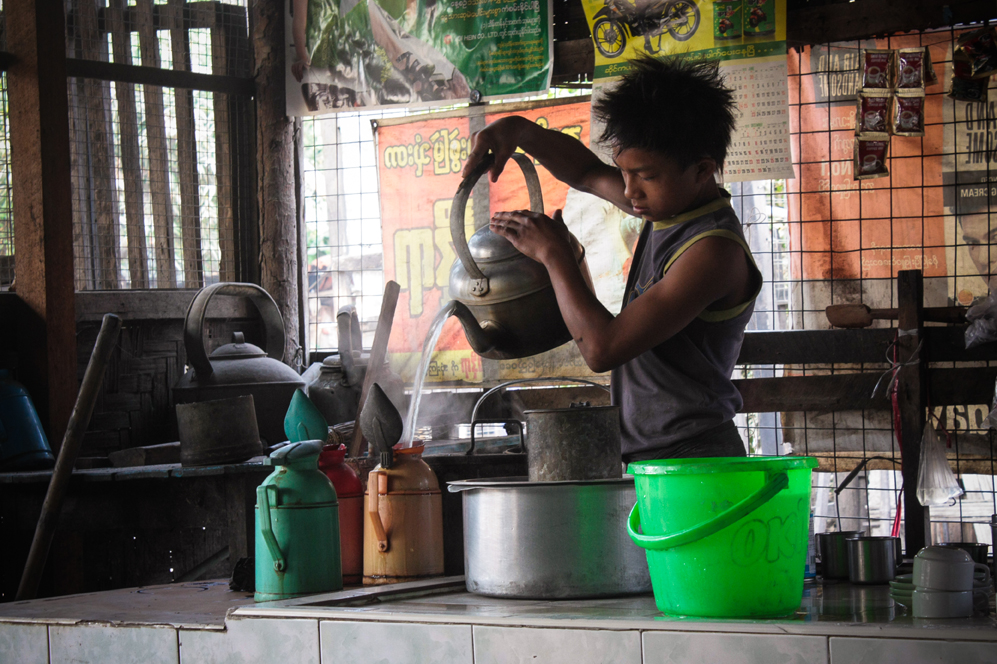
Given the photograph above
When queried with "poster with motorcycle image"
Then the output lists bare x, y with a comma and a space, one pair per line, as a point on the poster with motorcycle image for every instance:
699, 29
746, 37
346, 54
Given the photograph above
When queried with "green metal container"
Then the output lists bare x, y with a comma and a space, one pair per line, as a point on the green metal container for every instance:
297, 527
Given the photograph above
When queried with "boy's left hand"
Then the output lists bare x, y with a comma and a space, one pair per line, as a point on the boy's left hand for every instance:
533, 233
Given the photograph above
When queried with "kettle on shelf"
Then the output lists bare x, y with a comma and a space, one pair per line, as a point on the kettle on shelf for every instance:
239, 368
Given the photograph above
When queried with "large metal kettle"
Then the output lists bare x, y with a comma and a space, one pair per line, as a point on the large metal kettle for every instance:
504, 299
240, 368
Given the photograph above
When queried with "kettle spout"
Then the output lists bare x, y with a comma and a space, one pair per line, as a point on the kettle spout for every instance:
482, 340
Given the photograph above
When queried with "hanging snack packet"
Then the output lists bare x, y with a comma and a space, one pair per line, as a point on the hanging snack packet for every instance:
910, 68
908, 114
870, 158
873, 113
965, 88
930, 77
979, 48
876, 68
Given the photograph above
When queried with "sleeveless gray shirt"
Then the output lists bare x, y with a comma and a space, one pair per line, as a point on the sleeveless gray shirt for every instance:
682, 387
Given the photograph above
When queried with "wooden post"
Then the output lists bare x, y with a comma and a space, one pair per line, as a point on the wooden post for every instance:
190, 212
912, 397
220, 65
275, 167
131, 169
42, 207
159, 163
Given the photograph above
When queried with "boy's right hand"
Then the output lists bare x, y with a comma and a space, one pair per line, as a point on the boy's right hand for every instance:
500, 138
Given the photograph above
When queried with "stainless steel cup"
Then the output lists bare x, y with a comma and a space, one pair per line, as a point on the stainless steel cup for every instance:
834, 554
872, 559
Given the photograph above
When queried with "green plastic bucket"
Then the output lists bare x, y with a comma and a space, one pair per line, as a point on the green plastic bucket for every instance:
725, 537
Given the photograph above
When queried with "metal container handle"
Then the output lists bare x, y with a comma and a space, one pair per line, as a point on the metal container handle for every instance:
522, 437
657, 542
479, 286
266, 527
193, 324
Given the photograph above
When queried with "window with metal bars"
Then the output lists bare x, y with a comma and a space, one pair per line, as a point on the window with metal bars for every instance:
156, 165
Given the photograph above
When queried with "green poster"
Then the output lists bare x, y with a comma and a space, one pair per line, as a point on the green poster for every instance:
344, 54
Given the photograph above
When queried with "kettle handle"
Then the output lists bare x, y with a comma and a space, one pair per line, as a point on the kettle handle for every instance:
479, 286
266, 528
193, 324
517, 381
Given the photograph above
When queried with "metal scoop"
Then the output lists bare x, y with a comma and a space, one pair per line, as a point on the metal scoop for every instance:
381, 424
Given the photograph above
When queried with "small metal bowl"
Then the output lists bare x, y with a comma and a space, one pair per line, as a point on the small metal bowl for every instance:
872, 559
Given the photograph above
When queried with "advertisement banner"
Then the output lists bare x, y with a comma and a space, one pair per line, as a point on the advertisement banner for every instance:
419, 164
695, 29
747, 37
344, 54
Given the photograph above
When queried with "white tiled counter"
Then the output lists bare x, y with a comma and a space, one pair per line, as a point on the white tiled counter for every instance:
436, 622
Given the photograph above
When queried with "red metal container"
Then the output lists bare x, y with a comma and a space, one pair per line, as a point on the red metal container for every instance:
349, 491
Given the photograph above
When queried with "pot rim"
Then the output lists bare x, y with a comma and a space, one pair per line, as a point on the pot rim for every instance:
521, 482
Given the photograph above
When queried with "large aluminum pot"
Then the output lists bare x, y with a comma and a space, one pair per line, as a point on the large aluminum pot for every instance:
550, 540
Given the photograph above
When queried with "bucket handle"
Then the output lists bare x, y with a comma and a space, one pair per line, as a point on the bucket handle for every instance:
734, 513
266, 527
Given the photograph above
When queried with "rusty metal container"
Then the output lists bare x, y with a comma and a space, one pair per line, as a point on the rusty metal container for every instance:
573, 444
403, 522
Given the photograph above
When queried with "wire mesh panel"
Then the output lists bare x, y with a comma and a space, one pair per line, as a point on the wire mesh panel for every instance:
154, 168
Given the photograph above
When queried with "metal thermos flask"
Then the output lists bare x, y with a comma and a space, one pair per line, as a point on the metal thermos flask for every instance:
403, 522
297, 527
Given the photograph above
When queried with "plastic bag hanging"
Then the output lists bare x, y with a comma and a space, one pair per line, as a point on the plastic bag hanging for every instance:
936, 483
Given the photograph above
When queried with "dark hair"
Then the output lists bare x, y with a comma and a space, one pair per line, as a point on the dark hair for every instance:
672, 106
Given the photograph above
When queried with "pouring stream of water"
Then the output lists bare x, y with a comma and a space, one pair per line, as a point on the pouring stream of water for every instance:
432, 336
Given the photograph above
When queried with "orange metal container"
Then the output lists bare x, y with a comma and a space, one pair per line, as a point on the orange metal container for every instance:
403, 522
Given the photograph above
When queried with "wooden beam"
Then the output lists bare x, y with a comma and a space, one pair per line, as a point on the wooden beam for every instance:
806, 23
100, 156
42, 207
190, 209
843, 21
152, 75
131, 162
159, 164
911, 399
275, 167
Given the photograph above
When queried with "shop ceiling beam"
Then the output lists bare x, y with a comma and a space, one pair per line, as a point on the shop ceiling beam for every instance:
42, 208
843, 21
806, 23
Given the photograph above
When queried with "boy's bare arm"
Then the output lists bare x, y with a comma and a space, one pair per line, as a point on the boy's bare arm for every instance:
565, 157
712, 272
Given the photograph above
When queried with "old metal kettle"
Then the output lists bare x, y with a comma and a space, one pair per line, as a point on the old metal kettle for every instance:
297, 526
336, 384
240, 368
504, 299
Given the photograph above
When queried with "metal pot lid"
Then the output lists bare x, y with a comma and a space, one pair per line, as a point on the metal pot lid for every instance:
489, 247
237, 350
523, 482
